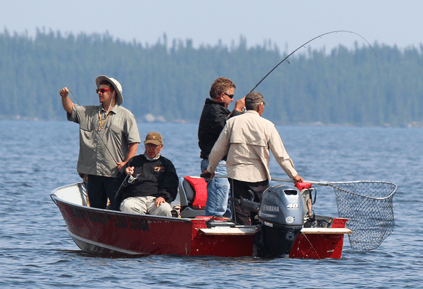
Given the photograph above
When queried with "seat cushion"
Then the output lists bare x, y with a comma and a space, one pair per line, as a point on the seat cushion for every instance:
200, 188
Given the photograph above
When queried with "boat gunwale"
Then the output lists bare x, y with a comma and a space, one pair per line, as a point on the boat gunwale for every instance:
56, 198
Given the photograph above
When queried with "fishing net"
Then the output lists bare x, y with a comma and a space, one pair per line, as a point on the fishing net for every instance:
369, 209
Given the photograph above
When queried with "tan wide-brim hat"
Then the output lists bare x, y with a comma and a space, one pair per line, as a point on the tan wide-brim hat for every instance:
116, 86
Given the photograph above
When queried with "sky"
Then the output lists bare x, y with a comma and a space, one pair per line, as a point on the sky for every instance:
288, 24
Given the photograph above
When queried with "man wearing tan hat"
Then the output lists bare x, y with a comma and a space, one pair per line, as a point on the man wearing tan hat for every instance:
247, 139
151, 183
108, 138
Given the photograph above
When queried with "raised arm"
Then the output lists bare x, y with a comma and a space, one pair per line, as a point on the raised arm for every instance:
66, 102
239, 107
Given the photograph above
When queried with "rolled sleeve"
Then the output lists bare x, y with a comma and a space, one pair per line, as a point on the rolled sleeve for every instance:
133, 134
280, 153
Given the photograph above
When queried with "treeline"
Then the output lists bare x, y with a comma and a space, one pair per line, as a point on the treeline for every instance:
172, 78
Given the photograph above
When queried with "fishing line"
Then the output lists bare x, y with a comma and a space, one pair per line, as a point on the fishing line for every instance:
321, 35
74, 96
98, 135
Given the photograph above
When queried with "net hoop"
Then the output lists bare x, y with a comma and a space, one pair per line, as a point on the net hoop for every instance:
395, 187
368, 205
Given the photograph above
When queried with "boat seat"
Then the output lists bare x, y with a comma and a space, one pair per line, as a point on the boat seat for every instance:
193, 196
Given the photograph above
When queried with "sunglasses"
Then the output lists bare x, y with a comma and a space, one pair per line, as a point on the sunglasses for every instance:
102, 90
230, 95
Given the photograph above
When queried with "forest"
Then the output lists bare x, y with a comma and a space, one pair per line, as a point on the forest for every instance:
375, 85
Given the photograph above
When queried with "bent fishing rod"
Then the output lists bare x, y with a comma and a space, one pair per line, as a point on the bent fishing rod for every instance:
319, 36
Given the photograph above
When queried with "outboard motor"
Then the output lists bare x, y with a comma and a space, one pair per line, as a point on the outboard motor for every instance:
282, 215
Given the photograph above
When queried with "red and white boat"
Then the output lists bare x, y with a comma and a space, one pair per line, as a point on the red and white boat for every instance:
100, 231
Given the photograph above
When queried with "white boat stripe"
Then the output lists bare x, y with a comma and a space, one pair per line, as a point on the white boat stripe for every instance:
102, 245
252, 231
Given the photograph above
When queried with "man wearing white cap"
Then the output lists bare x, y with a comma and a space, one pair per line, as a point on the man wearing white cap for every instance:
108, 137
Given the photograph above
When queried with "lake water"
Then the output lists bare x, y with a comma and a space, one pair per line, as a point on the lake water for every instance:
37, 252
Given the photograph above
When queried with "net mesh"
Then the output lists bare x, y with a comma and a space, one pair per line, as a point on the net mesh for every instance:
369, 208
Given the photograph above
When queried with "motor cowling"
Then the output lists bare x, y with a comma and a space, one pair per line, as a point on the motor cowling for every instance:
282, 218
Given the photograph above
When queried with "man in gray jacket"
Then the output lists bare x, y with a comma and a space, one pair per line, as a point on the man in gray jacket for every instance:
247, 139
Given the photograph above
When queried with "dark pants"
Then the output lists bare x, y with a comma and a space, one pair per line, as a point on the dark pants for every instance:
101, 188
240, 190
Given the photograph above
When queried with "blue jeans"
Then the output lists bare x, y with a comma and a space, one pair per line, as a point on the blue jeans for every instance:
218, 203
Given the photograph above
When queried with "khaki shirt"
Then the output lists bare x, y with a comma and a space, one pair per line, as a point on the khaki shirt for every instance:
119, 130
247, 139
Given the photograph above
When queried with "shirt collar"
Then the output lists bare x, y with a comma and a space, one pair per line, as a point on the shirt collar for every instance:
252, 111
101, 109
150, 159
211, 100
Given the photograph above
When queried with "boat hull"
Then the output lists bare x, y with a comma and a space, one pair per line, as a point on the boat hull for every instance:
99, 231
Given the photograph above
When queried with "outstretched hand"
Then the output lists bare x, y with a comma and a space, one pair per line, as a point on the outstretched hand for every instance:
298, 179
64, 92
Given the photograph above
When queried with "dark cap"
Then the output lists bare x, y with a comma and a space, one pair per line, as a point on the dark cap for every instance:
254, 97
154, 138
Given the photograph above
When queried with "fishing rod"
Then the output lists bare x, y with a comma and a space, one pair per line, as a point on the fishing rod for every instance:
321, 35
98, 135
118, 194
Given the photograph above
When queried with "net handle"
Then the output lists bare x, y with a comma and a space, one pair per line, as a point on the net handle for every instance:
310, 182
334, 185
